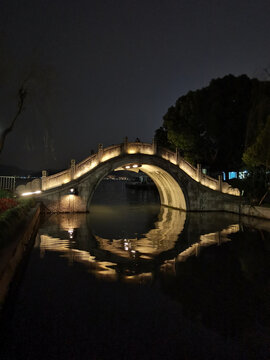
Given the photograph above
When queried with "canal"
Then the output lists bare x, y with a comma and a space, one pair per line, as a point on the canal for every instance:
134, 280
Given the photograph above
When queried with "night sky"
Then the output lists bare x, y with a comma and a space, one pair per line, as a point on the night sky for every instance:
109, 69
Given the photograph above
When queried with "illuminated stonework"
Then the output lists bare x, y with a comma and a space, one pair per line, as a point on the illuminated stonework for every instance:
180, 184
133, 148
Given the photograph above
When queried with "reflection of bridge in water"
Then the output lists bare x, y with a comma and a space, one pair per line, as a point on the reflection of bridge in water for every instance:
131, 259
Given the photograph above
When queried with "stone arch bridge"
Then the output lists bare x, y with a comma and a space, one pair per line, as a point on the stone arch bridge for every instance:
180, 185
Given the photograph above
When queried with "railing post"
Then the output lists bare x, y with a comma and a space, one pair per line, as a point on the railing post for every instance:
125, 145
154, 146
177, 156
220, 183
72, 169
197, 249
199, 172
100, 152
44, 180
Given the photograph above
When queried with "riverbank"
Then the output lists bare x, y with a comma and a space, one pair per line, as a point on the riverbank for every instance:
256, 211
13, 251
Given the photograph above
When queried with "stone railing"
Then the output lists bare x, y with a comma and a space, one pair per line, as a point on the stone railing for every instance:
139, 148
168, 155
55, 180
210, 182
104, 154
86, 165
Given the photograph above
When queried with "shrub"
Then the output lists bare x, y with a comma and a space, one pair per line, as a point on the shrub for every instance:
5, 194
11, 218
7, 203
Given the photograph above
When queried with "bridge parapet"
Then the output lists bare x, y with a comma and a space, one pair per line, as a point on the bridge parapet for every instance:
168, 155
111, 152
210, 182
140, 148
57, 179
86, 165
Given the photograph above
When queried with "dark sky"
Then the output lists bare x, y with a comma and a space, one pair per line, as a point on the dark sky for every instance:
107, 69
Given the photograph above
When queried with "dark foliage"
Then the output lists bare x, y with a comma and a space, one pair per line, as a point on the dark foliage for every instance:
217, 125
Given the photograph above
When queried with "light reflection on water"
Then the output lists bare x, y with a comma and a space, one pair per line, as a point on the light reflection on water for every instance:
131, 258
127, 235
77, 242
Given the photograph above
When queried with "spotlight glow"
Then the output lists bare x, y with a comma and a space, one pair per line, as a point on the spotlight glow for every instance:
31, 193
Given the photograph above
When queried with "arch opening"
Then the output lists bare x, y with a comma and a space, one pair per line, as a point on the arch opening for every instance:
125, 187
170, 192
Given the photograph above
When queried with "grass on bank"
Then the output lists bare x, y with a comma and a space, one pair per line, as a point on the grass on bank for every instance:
12, 217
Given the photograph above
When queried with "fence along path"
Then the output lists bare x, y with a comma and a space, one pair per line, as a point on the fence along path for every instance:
7, 183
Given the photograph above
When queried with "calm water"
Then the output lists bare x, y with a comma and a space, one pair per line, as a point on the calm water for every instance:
133, 280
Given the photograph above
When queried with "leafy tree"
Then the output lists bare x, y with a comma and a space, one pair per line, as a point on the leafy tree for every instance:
258, 154
161, 136
215, 125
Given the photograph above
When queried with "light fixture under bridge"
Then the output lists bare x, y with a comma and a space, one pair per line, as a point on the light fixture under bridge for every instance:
131, 166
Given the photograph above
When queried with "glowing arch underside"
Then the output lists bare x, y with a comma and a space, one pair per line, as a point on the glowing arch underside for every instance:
169, 190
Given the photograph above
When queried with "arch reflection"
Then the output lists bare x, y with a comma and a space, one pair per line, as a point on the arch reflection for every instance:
171, 239
132, 258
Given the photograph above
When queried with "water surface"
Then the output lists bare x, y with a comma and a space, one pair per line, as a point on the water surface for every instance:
132, 279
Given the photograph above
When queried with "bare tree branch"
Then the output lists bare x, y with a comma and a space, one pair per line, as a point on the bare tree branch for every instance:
22, 96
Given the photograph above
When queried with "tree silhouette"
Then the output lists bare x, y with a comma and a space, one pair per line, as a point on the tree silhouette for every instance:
22, 93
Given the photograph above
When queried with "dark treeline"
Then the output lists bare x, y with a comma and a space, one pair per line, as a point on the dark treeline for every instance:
224, 126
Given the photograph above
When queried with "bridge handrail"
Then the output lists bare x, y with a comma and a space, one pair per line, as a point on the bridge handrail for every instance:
56, 175
167, 154
114, 146
110, 152
139, 147
191, 167
85, 162
209, 182
56, 179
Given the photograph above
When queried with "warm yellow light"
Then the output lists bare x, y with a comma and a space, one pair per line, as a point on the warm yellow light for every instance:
31, 193
71, 231
26, 194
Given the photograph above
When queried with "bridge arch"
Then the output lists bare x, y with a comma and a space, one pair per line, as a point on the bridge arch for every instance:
171, 192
